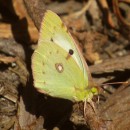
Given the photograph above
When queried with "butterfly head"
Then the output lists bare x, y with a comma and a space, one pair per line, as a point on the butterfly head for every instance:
86, 95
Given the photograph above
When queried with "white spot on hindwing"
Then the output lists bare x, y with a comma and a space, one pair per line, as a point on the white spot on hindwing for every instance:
59, 67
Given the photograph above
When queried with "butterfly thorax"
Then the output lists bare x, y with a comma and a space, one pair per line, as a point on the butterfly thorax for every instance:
85, 94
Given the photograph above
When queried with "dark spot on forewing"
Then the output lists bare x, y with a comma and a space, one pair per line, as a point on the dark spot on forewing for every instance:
71, 52
52, 40
57, 51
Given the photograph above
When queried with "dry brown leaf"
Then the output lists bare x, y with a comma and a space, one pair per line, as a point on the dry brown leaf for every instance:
110, 65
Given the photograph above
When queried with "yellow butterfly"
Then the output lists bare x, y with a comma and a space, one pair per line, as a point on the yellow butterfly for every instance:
59, 69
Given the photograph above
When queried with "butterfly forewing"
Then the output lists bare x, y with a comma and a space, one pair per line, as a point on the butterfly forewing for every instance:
53, 29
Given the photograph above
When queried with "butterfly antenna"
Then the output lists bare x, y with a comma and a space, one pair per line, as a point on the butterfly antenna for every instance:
125, 82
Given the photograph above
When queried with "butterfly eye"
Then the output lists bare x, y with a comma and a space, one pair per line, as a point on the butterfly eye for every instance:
71, 52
